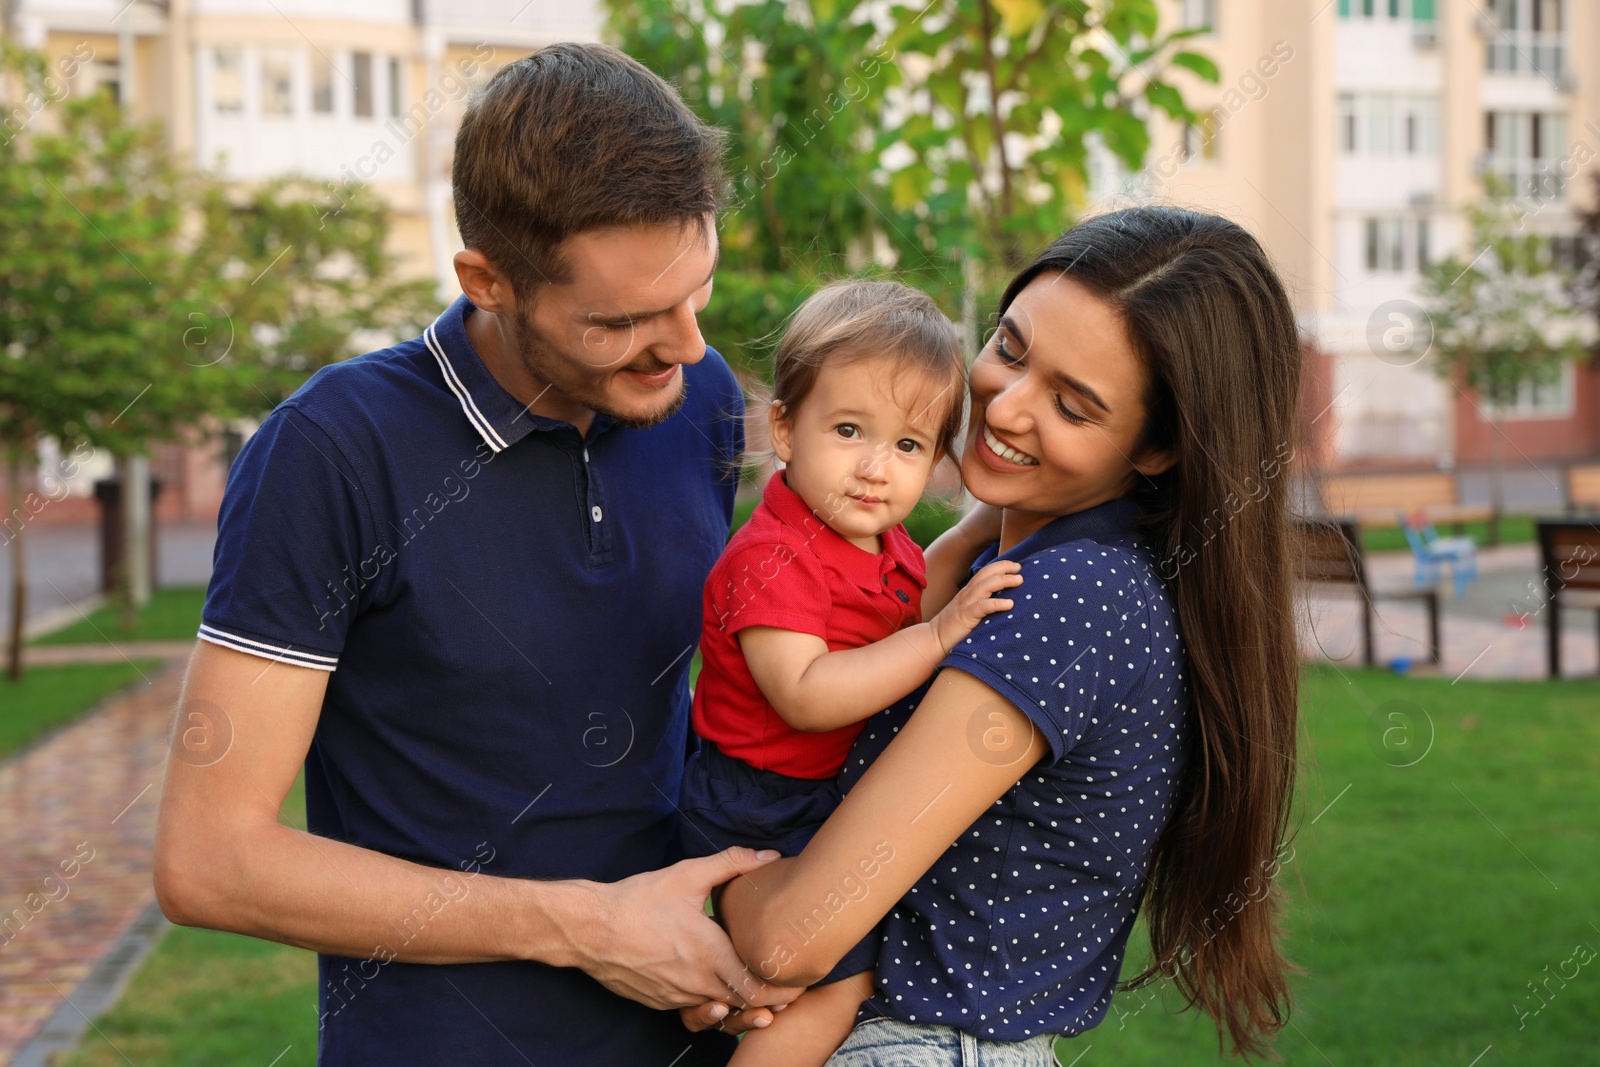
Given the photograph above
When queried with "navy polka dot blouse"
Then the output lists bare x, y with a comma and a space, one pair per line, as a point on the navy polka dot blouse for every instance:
1019, 929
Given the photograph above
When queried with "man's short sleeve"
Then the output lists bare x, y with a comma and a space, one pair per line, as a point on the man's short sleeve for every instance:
1067, 652
770, 584
294, 537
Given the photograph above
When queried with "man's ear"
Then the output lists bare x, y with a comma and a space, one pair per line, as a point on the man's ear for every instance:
781, 430
485, 286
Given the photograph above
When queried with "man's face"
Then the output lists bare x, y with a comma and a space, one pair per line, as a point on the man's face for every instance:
613, 337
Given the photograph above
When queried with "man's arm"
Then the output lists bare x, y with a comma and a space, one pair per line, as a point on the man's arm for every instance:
224, 861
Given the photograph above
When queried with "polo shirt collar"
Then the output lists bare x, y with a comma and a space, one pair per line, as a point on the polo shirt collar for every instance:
865, 569
1113, 520
498, 417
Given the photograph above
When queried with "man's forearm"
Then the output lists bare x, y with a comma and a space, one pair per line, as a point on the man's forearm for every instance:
285, 885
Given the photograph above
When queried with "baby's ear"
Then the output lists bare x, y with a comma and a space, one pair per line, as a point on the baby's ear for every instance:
781, 430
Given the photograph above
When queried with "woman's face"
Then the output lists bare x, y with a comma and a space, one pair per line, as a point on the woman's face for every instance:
1057, 405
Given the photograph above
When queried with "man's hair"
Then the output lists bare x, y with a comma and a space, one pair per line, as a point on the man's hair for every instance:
576, 137
849, 321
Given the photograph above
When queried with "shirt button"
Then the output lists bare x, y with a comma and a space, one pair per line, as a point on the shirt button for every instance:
595, 511
586, 455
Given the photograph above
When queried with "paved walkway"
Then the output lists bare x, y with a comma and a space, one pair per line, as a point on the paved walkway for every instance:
77, 826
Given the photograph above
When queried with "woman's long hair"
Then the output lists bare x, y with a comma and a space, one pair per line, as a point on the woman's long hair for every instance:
1211, 320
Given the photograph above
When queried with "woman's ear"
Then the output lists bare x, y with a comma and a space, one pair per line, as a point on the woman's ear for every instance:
781, 430
1152, 462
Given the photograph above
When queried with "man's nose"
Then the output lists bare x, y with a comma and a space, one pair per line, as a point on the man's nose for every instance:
681, 341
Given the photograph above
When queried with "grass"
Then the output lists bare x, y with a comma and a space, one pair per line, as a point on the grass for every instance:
48, 697
1514, 530
1423, 900
171, 615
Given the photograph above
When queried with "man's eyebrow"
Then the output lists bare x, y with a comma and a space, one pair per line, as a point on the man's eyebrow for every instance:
629, 318
1009, 324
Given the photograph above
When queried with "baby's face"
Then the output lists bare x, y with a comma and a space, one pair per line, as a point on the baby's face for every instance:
861, 448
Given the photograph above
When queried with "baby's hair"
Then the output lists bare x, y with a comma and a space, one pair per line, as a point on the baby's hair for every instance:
871, 320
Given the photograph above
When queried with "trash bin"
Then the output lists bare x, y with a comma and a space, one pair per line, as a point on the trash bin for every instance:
108, 492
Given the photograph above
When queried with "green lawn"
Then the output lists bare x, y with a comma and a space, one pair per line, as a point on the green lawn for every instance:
1425, 898
171, 615
47, 697
1514, 530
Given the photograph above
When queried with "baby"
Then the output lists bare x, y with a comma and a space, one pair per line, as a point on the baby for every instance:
813, 614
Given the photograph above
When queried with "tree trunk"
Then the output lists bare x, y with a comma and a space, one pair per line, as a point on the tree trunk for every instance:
1497, 472
19, 581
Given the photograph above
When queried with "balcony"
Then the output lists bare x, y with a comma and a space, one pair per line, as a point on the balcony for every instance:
1529, 52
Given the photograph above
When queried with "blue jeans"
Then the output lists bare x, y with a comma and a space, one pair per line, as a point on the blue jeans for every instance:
885, 1042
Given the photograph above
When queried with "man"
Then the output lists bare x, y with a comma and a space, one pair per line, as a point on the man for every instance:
459, 580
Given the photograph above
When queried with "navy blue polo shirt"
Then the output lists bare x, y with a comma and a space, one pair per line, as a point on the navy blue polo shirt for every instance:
1019, 928
509, 609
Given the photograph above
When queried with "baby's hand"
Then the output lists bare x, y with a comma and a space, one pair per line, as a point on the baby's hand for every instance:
975, 600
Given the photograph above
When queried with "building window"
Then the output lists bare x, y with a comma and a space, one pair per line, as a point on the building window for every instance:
321, 84
361, 67
1200, 15
227, 81
1418, 10
1386, 245
1551, 398
1523, 152
1424, 252
1200, 138
1527, 37
395, 88
1388, 124
277, 81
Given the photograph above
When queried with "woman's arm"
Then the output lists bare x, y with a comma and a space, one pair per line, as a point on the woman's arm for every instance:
814, 689
962, 749
952, 553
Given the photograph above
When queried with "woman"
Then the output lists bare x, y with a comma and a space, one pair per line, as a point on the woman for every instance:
1126, 735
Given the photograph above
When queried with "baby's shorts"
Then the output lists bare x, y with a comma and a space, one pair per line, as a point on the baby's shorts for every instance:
727, 802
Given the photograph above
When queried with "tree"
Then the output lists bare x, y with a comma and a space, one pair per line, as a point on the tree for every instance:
145, 304
942, 140
1501, 320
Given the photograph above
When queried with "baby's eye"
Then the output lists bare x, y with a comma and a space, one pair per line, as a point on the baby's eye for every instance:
848, 430
907, 445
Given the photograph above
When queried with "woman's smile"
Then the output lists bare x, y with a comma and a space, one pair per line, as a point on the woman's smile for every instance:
998, 449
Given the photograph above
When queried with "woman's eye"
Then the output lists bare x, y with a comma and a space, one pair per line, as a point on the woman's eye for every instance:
846, 430
1004, 352
1071, 416
907, 445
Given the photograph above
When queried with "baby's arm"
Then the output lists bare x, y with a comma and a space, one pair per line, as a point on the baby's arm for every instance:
814, 689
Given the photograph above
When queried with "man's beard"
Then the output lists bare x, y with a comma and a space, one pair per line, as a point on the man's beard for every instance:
563, 374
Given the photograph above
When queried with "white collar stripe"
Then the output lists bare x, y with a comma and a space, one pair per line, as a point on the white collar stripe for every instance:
468, 405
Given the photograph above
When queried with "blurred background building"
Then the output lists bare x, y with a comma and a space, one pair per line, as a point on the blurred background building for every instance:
1350, 135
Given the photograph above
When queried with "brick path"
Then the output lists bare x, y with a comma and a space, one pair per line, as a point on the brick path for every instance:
77, 825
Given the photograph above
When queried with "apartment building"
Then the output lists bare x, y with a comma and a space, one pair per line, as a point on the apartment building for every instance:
1350, 135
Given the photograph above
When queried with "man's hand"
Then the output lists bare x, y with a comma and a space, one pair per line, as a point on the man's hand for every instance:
978, 598
717, 1015
652, 941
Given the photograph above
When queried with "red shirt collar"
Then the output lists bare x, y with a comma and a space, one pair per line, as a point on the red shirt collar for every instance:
866, 569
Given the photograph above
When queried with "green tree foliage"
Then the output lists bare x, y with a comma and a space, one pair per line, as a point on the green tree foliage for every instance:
1501, 315
140, 303
945, 141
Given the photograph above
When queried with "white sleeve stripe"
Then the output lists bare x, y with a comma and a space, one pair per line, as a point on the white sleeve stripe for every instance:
266, 655
261, 648
468, 405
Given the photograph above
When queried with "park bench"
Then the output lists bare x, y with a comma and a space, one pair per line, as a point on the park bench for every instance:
1569, 553
1583, 487
1380, 499
1330, 554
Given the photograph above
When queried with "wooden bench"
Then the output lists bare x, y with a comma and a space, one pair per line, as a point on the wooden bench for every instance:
1330, 554
1583, 487
1380, 499
1570, 557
